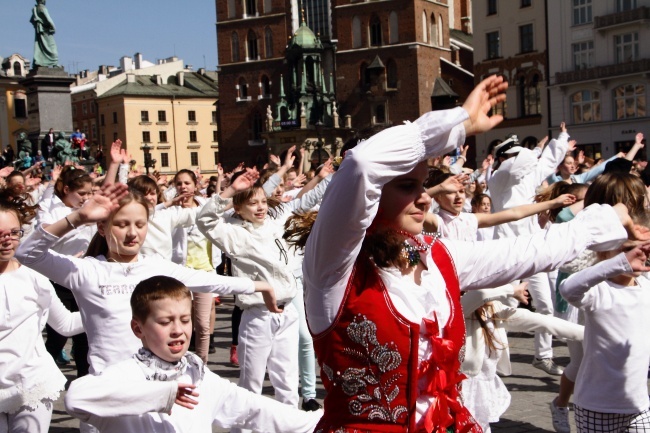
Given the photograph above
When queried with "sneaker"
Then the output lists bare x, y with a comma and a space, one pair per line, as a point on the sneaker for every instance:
548, 366
560, 416
217, 300
62, 359
310, 405
234, 359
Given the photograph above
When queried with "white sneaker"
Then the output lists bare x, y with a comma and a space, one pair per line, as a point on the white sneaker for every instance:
560, 416
548, 366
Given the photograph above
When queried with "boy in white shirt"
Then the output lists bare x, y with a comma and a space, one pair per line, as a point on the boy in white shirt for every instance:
164, 388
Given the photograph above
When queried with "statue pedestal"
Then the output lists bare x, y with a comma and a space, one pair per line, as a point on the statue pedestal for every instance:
48, 101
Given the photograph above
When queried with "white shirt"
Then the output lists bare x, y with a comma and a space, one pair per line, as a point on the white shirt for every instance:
162, 223
75, 241
103, 291
613, 373
27, 372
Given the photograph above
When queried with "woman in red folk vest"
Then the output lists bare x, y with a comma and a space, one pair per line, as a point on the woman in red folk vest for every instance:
382, 297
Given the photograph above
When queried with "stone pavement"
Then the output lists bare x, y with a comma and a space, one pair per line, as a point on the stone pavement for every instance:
531, 389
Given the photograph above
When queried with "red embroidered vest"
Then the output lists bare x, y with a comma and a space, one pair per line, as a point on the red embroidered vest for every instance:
369, 360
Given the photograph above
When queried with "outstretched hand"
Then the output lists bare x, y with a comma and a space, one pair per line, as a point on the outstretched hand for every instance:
102, 203
478, 104
454, 183
564, 200
246, 180
638, 257
184, 395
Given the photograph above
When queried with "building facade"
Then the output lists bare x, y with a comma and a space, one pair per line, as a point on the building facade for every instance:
599, 71
511, 40
383, 58
13, 100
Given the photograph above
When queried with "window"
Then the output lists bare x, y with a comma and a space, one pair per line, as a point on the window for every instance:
215, 136
501, 109
441, 26
92, 108
102, 121
491, 7
265, 87
526, 38
234, 40
585, 106
216, 157
251, 45
243, 89
256, 126
232, 9
93, 129
583, 55
629, 101
268, 6
627, 47
391, 74
379, 114
84, 108
114, 116
191, 116
375, 31
162, 116
425, 28
214, 116
164, 159
356, 32
193, 138
393, 28
18, 70
162, 136
493, 49
20, 107
144, 116
74, 110
250, 7
526, 3
115, 136
103, 140
433, 31
581, 12
268, 43
146, 137
625, 5
529, 94
194, 158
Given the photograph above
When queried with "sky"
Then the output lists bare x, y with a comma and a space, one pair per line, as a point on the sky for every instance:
90, 33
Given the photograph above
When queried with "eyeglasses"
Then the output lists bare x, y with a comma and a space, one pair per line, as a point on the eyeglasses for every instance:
13, 235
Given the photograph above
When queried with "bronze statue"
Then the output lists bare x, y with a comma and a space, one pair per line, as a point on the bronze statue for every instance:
24, 146
45, 52
64, 150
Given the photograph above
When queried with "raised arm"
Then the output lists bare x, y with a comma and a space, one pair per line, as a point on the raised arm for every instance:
519, 212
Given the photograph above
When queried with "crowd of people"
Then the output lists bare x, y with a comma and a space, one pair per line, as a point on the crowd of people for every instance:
394, 267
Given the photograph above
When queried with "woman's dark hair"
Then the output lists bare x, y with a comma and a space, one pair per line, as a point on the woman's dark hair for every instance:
616, 187
478, 199
98, 245
297, 229
73, 178
192, 176
554, 191
146, 185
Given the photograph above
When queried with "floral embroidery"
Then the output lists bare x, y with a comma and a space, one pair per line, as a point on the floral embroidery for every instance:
373, 387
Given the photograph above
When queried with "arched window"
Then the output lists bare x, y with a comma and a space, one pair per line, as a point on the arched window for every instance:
393, 27
18, 69
242, 88
375, 31
529, 96
250, 7
268, 6
268, 43
441, 41
251, 45
356, 32
391, 74
425, 28
232, 9
256, 126
234, 41
265, 87
585, 106
309, 70
629, 101
433, 31
363, 76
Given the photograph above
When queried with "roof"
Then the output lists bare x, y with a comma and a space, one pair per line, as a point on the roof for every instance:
462, 37
305, 38
376, 64
195, 86
441, 88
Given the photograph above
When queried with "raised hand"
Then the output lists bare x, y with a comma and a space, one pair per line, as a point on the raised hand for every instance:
541, 143
102, 203
571, 146
6, 171
275, 159
454, 183
326, 170
563, 200
563, 127
478, 104
638, 140
288, 160
299, 181
581, 157
245, 180
116, 152
56, 172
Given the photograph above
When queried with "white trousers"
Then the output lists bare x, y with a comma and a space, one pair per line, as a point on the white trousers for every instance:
269, 342
306, 355
26, 421
540, 290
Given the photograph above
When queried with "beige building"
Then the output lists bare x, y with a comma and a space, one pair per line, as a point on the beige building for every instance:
173, 117
599, 70
13, 100
510, 40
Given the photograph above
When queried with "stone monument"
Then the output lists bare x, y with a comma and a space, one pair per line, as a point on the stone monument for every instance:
47, 83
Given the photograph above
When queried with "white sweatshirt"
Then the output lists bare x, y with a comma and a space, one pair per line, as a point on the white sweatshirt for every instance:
103, 291
27, 372
121, 400
162, 223
613, 373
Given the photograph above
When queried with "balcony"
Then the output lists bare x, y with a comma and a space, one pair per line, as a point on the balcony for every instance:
602, 72
621, 18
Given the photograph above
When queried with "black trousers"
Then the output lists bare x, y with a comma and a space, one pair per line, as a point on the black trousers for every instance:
55, 341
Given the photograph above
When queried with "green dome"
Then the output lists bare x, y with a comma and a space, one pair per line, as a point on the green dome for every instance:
305, 38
